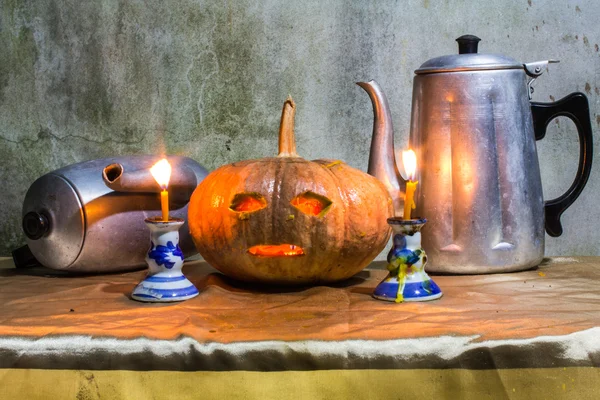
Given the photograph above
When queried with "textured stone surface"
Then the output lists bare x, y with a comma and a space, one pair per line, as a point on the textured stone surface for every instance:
88, 79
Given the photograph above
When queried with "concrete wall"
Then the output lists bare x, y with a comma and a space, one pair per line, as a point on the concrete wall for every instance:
88, 79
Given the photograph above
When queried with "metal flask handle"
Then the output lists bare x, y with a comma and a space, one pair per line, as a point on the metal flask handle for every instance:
574, 106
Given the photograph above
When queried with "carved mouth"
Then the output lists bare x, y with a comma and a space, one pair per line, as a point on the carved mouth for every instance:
276, 250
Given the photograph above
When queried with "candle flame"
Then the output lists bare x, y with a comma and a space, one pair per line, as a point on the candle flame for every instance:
409, 159
161, 171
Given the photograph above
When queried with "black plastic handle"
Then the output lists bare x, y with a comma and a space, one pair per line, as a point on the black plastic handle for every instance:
574, 106
24, 258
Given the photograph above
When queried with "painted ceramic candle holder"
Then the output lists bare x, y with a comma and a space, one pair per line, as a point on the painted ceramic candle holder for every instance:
165, 282
407, 279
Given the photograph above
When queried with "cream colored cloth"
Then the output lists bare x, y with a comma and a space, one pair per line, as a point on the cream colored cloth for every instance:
544, 317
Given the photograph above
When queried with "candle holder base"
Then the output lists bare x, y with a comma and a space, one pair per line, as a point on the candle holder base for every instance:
165, 282
154, 289
407, 279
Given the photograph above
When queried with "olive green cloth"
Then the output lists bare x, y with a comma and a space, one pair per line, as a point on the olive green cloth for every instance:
530, 384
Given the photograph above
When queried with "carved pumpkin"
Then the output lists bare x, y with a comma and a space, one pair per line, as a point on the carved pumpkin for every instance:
288, 220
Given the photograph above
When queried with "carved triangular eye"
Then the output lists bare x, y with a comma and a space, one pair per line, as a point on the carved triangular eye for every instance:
248, 202
311, 203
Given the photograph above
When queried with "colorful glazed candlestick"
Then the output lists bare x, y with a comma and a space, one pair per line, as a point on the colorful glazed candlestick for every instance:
407, 279
165, 282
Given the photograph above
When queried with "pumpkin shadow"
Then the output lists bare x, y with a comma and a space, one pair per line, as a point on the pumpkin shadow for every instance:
355, 280
234, 285
363, 290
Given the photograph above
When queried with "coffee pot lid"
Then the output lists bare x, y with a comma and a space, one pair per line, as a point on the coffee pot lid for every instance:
468, 59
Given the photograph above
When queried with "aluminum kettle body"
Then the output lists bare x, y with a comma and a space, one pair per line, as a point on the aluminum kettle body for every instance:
480, 185
75, 222
474, 131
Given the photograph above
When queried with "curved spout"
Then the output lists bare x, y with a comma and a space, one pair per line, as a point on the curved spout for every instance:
382, 161
117, 178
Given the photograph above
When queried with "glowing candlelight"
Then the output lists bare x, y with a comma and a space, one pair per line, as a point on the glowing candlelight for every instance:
409, 160
161, 171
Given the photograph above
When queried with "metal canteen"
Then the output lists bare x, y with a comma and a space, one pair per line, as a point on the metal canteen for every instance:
473, 128
89, 217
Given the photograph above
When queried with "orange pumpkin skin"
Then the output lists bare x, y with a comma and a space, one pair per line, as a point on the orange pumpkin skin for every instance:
337, 242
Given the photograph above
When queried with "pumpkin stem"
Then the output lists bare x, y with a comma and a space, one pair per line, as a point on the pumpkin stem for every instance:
287, 139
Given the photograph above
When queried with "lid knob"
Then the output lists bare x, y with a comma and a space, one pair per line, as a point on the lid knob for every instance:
467, 44
35, 225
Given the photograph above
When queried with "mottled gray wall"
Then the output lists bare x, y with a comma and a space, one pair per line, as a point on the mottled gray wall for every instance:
89, 79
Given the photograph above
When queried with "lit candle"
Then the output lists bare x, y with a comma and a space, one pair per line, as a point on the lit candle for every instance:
409, 160
161, 171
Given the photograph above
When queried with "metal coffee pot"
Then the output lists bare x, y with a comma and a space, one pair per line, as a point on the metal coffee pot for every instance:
89, 217
473, 128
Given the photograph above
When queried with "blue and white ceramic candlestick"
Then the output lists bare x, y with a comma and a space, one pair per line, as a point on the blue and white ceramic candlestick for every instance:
165, 282
407, 279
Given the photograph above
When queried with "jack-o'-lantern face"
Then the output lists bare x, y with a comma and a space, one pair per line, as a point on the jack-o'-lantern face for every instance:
274, 217
288, 220
309, 203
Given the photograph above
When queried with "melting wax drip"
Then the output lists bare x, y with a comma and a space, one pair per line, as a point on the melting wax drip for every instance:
400, 260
